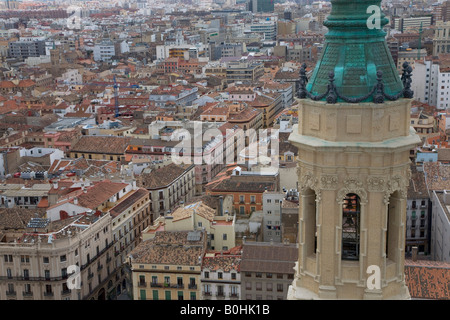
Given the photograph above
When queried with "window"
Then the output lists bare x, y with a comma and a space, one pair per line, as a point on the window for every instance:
219, 275
350, 227
224, 236
206, 274
63, 258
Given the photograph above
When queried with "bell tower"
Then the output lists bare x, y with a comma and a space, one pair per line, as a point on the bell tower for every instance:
354, 140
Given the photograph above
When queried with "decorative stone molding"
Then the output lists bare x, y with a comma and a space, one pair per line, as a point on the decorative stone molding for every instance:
352, 185
376, 184
396, 183
329, 182
308, 180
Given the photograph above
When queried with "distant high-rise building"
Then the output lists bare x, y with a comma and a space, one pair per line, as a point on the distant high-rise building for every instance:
260, 5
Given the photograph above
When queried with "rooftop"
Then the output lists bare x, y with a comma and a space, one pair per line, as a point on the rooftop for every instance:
428, 279
172, 248
267, 257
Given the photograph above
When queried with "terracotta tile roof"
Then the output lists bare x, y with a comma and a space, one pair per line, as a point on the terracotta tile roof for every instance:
18, 218
437, 175
428, 279
99, 193
223, 261
266, 257
198, 208
172, 248
417, 188
228, 185
162, 177
131, 199
102, 144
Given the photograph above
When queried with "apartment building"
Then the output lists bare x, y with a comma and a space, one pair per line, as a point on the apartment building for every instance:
168, 266
130, 216
418, 214
25, 49
221, 277
267, 270
104, 51
271, 205
270, 104
168, 186
267, 29
23, 195
441, 39
246, 187
36, 259
100, 148
198, 215
440, 247
244, 71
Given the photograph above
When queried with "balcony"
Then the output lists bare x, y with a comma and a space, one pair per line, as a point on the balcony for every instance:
234, 295
192, 286
90, 276
27, 293
65, 292
11, 293
207, 293
48, 294
156, 285
220, 295
142, 284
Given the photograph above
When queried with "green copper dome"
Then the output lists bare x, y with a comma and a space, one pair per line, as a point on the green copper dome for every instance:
354, 52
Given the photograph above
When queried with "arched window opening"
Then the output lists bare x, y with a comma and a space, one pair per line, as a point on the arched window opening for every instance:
393, 227
351, 216
309, 216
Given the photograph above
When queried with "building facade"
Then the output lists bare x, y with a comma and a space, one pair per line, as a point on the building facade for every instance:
267, 270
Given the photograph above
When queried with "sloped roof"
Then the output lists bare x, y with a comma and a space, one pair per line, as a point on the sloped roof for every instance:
428, 279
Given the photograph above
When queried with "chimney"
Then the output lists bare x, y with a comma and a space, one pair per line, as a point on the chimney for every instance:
414, 253
55, 184
75, 200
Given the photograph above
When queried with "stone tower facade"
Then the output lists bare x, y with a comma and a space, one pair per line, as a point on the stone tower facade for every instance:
354, 140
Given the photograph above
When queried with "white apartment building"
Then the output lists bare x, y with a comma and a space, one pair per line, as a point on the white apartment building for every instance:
272, 216
427, 84
104, 50
440, 226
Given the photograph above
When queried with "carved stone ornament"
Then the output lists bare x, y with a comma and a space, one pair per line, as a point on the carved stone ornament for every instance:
308, 180
396, 183
329, 182
376, 184
352, 185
